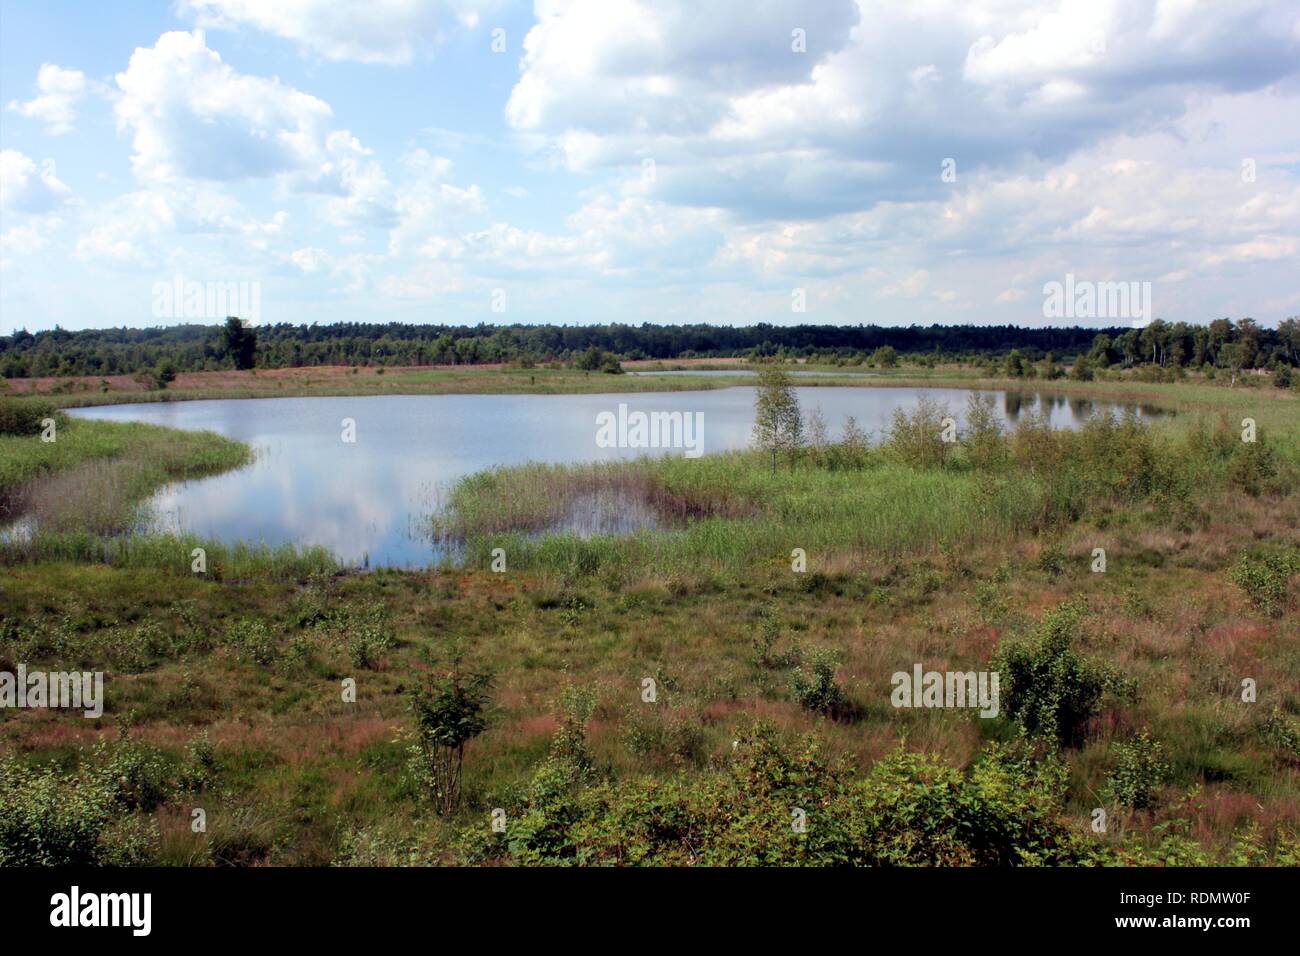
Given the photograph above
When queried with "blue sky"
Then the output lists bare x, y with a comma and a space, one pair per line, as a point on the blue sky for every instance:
616, 160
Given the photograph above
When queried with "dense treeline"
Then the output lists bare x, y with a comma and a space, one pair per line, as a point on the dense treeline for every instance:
1222, 343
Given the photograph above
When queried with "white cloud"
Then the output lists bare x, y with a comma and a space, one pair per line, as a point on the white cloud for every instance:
734, 119
151, 227
26, 189
908, 287
379, 31
194, 117
57, 94
429, 208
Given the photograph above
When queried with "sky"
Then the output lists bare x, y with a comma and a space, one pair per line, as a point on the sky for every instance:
727, 161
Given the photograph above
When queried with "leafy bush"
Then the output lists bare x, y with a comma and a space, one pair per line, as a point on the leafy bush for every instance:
367, 643
449, 713
662, 735
1283, 733
1140, 770
23, 416
1253, 467
1265, 579
813, 683
912, 809
51, 818
916, 437
200, 763
136, 774
252, 641
1048, 688
983, 440
87, 816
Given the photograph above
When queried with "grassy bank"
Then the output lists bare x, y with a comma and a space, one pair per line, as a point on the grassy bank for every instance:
91, 475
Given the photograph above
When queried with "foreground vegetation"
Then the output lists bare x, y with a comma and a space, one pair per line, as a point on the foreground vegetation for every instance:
519, 698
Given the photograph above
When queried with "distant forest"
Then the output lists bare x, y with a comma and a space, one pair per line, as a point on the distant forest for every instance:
1222, 343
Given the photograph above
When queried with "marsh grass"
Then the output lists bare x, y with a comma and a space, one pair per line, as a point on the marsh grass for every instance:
99, 471
912, 494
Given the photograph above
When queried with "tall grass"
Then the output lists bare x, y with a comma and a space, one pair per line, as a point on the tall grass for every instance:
912, 494
158, 455
172, 553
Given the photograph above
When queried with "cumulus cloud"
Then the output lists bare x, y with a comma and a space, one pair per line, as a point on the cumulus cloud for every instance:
380, 31
194, 117
735, 119
55, 103
26, 188
150, 227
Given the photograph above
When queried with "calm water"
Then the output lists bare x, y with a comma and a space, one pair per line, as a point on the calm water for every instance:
746, 372
370, 500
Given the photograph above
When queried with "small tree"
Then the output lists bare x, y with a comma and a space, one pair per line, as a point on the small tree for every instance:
777, 420
886, 356
817, 432
239, 342
449, 713
164, 373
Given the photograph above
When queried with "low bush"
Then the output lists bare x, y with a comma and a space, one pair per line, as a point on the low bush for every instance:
1046, 686
23, 416
1140, 770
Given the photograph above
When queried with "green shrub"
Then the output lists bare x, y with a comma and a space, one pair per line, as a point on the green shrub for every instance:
87, 816
367, 643
1047, 687
1140, 770
655, 733
1051, 560
1253, 467
813, 684
23, 416
1265, 579
983, 439
916, 436
449, 712
200, 763
1283, 733
52, 818
136, 774
252, 641
912, 809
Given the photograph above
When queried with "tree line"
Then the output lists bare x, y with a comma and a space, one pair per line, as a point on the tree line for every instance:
1223, 343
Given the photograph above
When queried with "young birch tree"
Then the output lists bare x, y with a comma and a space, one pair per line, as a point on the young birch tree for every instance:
778, 423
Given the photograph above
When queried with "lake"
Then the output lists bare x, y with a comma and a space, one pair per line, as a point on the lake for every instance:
369, 500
